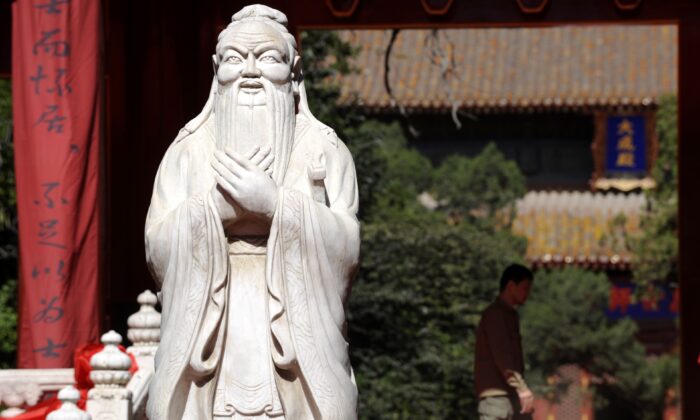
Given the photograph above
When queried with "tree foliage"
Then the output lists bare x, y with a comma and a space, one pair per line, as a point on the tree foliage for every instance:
483, 185
8, 232
564, 323
656, 248
8, 323
413, 313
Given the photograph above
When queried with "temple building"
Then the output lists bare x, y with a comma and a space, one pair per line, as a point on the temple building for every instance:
574, 106
579, 118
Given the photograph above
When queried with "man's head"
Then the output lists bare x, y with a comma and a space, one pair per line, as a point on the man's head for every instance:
515, 284
257, 68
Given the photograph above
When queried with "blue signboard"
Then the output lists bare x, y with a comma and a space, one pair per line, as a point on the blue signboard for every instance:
661, 303
626, 145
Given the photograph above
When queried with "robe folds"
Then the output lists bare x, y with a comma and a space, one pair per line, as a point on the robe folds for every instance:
311, 257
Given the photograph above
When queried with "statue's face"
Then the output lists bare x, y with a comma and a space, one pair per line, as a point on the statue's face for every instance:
251, 51
255, 102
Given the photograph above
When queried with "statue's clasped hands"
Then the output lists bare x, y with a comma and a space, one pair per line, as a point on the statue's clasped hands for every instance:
246, 179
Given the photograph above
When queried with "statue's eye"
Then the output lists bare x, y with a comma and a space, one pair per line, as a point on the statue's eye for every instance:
234, 59
269, 59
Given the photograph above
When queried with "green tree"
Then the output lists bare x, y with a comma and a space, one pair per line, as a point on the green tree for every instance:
404, 174
564, 322
413, 314
8, 324
485, 185
324, 57
656, 248
8, 232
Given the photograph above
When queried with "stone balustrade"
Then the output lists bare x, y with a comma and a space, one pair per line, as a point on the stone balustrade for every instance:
117, 394
26, 386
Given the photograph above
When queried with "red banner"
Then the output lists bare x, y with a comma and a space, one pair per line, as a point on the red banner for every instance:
56, 102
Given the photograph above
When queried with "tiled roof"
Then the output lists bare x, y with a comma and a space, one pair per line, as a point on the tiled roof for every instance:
505, 68
575, 228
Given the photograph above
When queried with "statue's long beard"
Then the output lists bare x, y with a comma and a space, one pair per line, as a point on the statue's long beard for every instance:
244, 127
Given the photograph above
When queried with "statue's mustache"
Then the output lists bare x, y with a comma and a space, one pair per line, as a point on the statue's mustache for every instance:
249, 83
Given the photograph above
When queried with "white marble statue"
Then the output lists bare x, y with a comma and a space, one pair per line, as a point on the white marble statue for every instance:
253, 239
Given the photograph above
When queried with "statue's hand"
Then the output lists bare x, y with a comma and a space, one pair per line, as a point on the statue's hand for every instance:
246, 180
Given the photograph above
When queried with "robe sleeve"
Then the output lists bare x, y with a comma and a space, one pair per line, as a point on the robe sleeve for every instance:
336, 225
168, 203
313, 254
186, 253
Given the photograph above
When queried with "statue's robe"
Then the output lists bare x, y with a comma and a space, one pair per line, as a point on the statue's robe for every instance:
311, 257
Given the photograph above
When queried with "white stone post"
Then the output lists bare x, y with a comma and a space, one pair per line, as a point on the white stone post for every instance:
144, 330
110, 399
144, 334
69, 410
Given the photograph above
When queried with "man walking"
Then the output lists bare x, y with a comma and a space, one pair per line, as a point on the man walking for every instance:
502, 391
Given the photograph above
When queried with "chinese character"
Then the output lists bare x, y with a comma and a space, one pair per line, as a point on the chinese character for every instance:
57, 48
52, 7
54, 123
620, 298
625, 127
59, 271
625, 160
651, 303
60, 267
47, 230
40, 75
48, 187
50, 349
625, 143
58, 87
50, 313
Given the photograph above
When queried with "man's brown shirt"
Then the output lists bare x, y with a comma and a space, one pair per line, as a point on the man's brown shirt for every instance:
498, 348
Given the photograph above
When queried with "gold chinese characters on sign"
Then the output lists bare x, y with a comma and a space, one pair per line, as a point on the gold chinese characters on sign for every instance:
625, 144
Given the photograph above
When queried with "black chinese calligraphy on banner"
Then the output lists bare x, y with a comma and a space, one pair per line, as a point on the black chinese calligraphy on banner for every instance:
56, 84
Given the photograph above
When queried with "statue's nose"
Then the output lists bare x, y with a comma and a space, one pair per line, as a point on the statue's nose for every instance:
251, 70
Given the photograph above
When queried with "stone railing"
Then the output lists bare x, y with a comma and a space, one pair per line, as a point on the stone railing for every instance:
26, 386
117, 394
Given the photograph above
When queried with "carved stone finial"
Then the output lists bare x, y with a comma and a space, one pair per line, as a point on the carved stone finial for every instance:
144, 325
69, 410
110, 367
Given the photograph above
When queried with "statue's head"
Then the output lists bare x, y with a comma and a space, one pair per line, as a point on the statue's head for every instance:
258, 71
255, 49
